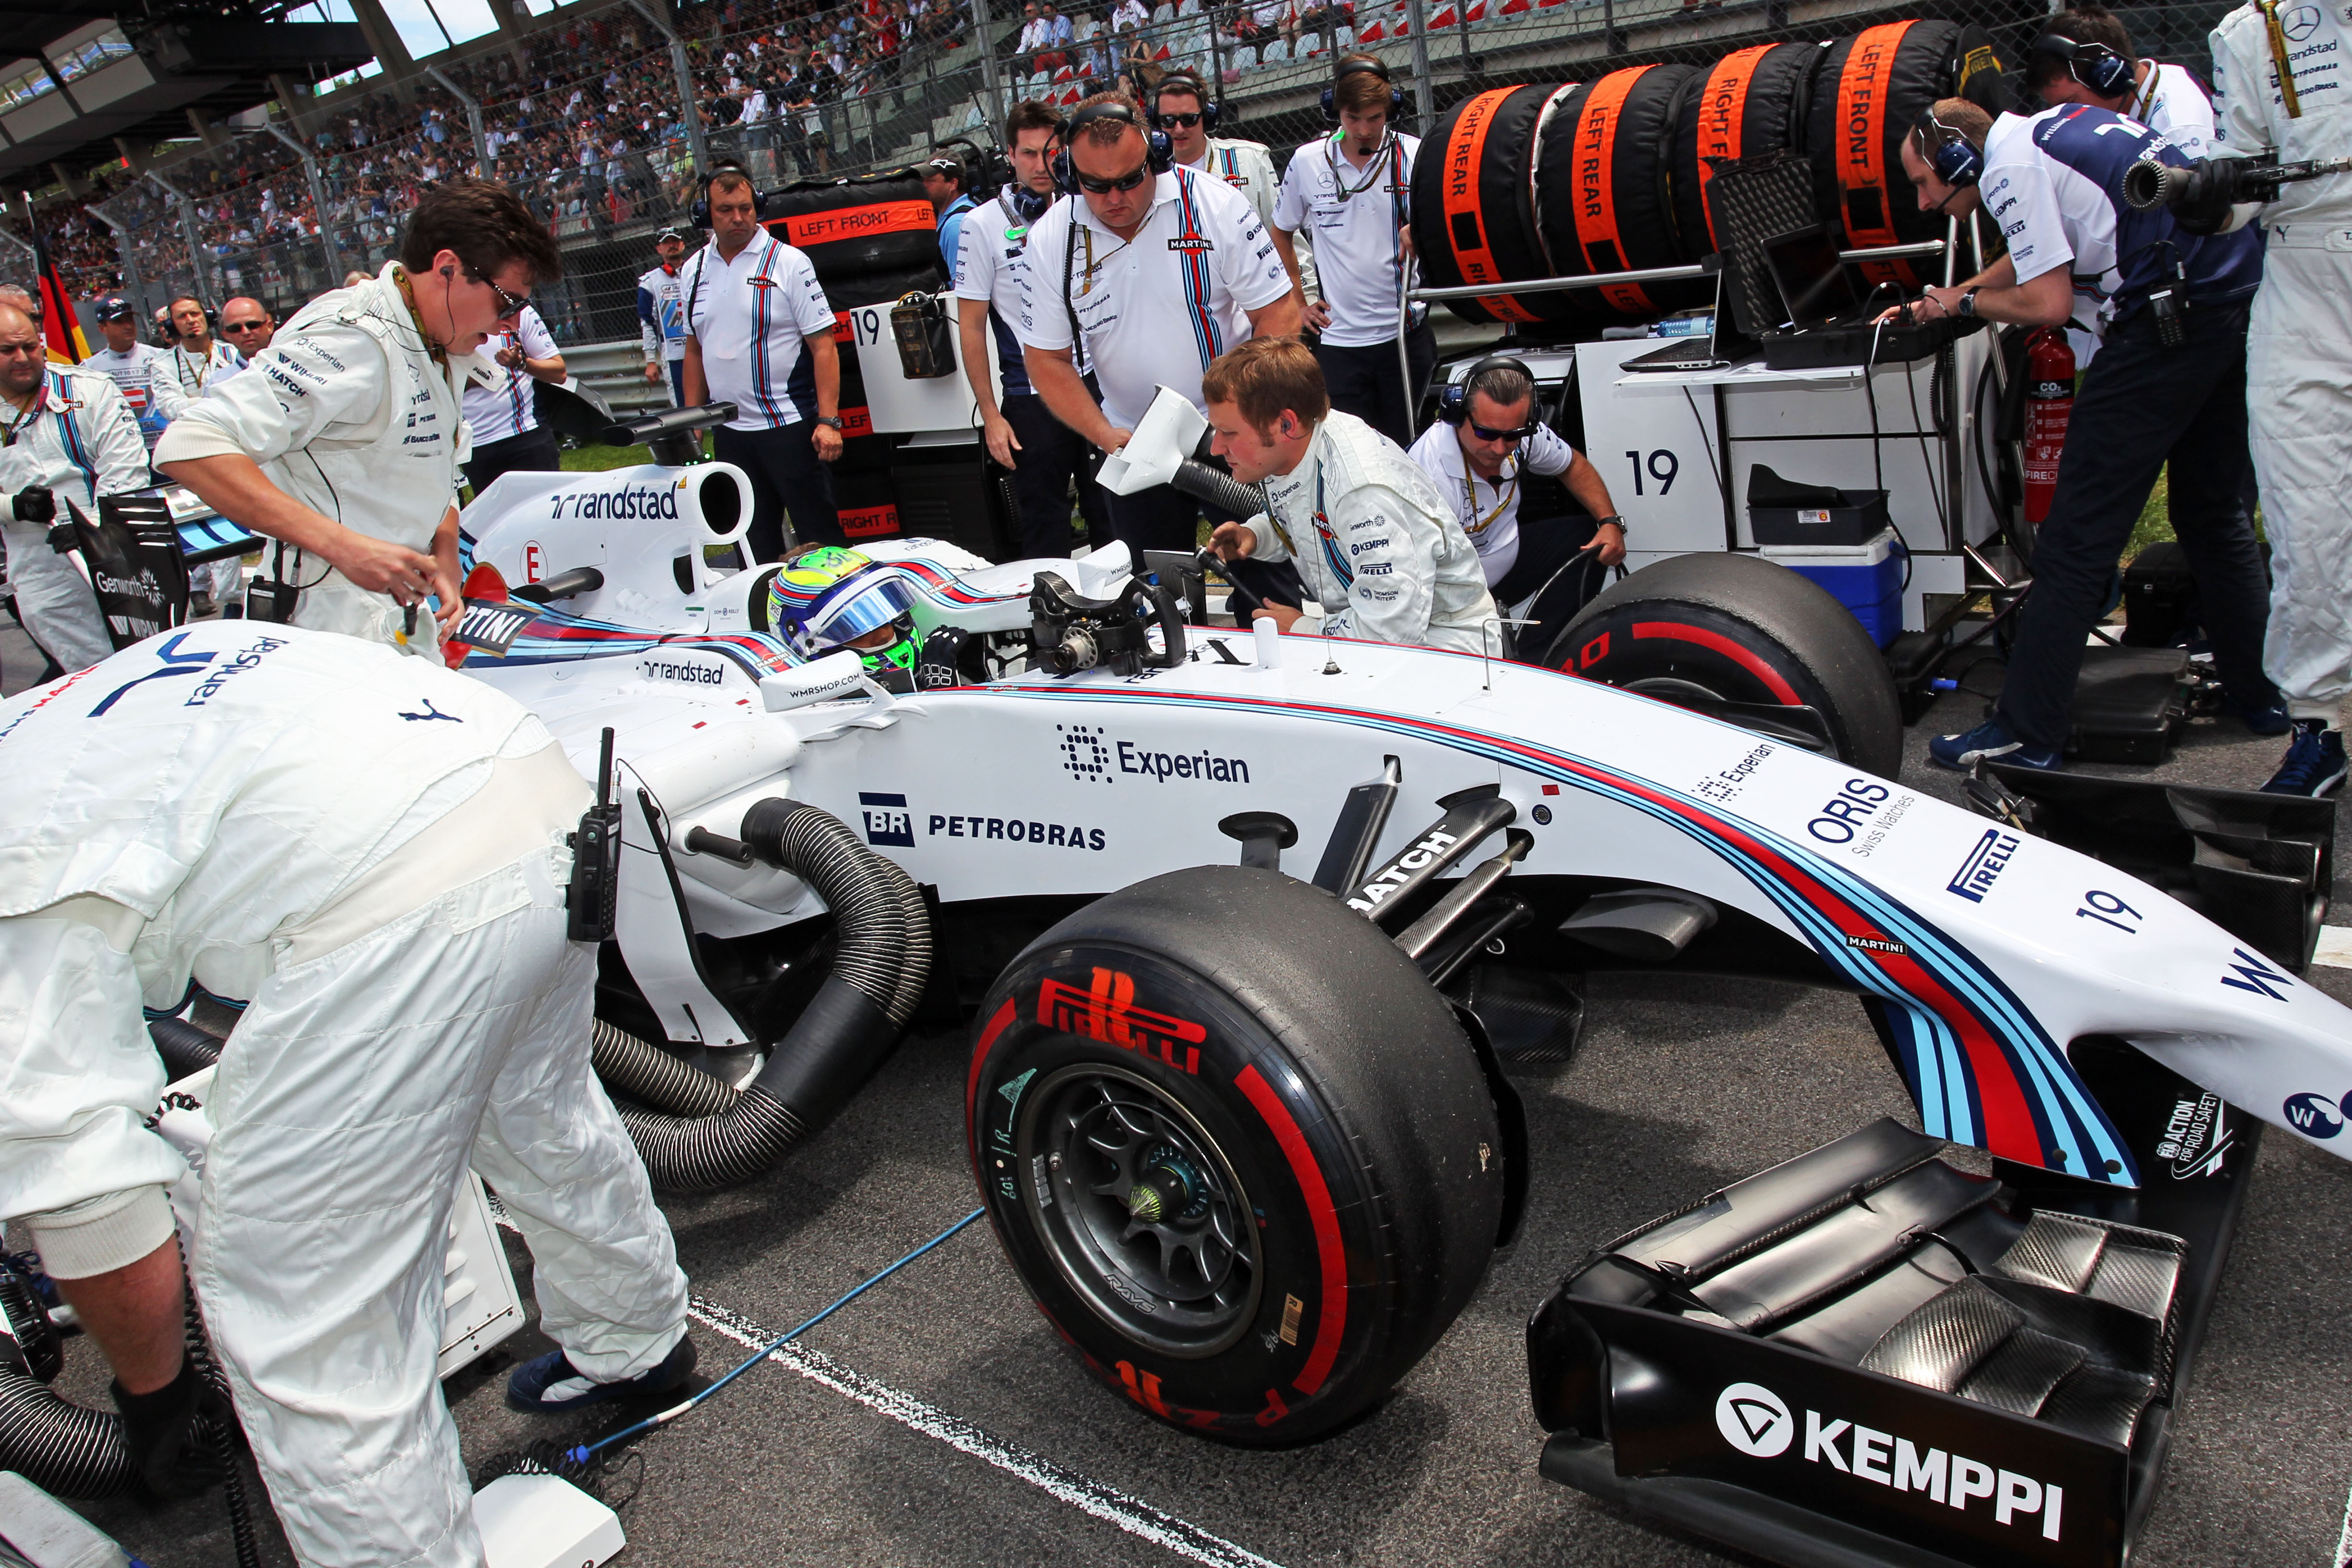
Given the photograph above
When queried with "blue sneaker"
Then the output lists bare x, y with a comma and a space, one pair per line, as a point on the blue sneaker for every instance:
1989, 741
2273, 720
551, 1384
2314, 764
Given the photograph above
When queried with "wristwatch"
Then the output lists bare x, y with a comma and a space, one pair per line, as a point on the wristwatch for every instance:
1967, 301
1611, 518
832, 421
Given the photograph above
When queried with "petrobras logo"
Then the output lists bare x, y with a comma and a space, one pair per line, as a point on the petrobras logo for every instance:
623, 504
1983, 865
1759, 1422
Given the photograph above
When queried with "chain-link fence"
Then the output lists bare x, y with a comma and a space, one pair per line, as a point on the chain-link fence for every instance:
601, 118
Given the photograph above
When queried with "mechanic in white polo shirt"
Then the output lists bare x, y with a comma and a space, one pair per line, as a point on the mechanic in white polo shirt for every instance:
759, 335
1507, 475
2083, 55
1350, 189
1042, 454
504, 415
1181, 107
1160, 270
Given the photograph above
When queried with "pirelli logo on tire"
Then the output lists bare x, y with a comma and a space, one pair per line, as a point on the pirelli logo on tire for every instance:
1106, 1012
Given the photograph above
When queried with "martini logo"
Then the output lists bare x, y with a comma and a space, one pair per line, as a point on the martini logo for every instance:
1106, 1012
1754, 1420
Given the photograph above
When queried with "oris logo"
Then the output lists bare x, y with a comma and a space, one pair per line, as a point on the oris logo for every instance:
1754, 1420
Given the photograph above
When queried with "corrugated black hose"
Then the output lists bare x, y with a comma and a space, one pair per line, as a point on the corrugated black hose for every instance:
184, 1048
1228, 495
881, 964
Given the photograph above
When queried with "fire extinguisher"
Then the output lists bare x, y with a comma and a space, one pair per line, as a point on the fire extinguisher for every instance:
2048, 404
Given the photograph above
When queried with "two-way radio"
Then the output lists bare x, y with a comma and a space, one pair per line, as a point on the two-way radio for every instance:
596, 860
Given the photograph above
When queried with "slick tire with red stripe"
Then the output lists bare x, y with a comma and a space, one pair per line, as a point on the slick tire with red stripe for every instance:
1739, 628
1238, 1149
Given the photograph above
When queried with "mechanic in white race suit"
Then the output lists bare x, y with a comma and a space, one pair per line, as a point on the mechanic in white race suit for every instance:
2299, 359
343, 442
1377, 546
372, 849
67, 428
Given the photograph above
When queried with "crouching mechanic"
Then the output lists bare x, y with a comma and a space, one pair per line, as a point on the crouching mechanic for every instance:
343, 442
372, 849
1481, 454
1376, 544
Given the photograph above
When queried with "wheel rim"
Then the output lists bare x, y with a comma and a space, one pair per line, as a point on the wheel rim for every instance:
1141, 1210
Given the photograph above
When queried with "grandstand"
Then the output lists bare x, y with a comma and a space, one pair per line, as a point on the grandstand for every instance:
599, 112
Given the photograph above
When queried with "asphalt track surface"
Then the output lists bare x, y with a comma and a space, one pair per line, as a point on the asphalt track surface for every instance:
937, 1419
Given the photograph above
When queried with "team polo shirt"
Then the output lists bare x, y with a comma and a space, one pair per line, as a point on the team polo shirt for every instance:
143, 374
661, 319
196, 372
1355, 218
2173, 103
1489, 509
1156, 309
502, 412
991, 256
951, 218
2054, 184
1247, 167
751, 315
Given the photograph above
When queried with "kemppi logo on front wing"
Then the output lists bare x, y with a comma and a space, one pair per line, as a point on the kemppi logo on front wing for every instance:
1107, 1013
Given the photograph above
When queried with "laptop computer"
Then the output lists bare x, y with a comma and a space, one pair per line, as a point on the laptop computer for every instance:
1815, 288
1714, 348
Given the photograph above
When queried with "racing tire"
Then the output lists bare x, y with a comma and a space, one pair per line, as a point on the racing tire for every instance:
1238, 1149
1739, 629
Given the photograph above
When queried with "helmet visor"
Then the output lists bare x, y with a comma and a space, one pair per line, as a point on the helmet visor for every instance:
856, 608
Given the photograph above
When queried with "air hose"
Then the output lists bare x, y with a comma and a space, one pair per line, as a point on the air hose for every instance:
184, 1048
881, 965
1225, 494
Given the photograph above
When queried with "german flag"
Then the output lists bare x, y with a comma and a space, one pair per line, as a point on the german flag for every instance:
67, 346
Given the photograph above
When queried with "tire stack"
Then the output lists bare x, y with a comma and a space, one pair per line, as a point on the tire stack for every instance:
1531, 182
870, 240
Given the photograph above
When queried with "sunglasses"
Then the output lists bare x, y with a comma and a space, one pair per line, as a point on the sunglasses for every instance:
1184, 121
1141, 173
241, 326
508, 304
1524, 432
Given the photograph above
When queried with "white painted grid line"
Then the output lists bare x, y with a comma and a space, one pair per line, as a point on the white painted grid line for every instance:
1089, 1496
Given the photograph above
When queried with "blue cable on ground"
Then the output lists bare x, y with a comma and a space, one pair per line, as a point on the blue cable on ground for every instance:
580, 1455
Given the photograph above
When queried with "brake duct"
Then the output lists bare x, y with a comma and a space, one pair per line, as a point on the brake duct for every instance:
704, 1134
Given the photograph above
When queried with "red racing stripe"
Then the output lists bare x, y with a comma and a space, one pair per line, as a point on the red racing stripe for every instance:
1332, 1318
1726, 647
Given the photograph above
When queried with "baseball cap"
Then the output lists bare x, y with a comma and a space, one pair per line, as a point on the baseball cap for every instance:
672, 231
115, 308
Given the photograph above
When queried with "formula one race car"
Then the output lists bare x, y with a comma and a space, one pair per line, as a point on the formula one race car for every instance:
1243, 1129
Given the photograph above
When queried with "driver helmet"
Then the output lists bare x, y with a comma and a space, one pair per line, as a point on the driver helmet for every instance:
826, 598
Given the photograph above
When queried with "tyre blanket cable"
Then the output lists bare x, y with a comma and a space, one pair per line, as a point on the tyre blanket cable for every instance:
586, 1451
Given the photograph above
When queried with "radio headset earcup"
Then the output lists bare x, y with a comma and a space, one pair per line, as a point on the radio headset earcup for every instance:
1160, 150
2102, 70
1955, 160
698, 214
1454, 398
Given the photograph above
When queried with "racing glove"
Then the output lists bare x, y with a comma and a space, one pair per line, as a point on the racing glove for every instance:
178, 1434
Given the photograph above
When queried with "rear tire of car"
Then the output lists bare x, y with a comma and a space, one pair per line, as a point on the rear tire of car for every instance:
1740, 629
1238, 1149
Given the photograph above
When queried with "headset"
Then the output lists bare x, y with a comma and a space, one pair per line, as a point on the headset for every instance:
698, 214
2096, 66
1453, 399
1160, 152
1349, 67
1185, 81
1957, 161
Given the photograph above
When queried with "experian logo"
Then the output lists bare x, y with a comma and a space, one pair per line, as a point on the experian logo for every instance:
1984, 864
1757, 1423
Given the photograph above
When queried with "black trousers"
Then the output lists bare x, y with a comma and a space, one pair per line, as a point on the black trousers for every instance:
534, 451
1365, 382
2141, 407
1553, 566
785, 475
1052, 457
